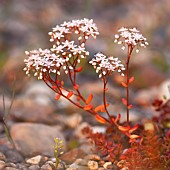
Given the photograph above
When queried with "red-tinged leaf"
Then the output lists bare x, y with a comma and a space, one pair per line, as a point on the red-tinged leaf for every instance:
79, 69
134, 136
133, 128
88, 107
117, 118
57, 81
98, 108
62, 83
89, 99
57, 97
78, 98
76, 86
101, 108
69, 94
124, 128
113, 119
131, 79
105, 89
54, 87
124, 101
130, 106
123, 84
100, 119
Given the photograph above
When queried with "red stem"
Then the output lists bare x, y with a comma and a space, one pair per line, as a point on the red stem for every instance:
130, 48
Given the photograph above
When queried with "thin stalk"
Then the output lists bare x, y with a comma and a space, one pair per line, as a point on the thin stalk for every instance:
130, 48
104, 99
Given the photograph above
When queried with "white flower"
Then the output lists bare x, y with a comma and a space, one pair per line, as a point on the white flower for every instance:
130, 37
42, 61
68, 44
106, 65
64, 51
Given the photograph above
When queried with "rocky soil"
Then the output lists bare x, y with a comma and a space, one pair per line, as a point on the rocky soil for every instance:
36, 118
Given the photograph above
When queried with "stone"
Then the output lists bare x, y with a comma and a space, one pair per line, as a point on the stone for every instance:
71, 156
165, 89
74, 166
98, 129
2, 157
146, 96
106, 164
10, 168
78, 131
93, 165
34, 167
93, 157
147, 76
72, 121
14, 156
34, 160
46, 167
32, 139
10, 164
28, 111
39, 93
2, 164
22, 166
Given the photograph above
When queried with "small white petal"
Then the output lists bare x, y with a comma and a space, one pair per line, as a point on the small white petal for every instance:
137, 50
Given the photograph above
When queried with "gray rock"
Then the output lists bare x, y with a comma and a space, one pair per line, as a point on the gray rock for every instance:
13, 156
32, 139
39, 93
29, 111
72, 121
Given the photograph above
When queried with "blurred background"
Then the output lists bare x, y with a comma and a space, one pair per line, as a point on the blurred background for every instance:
24, 25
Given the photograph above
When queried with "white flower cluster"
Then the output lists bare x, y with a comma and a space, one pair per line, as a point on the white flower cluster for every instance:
130, 36
41, 61
83, 28
106, 65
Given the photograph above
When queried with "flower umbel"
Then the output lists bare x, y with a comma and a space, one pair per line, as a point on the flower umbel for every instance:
64, 51
106, 65
131, 37
41, 61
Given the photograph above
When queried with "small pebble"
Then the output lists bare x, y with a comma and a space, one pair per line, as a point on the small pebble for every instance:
34, 167
2, 164
46, 167
43, 160
10, 168
78, 161
94, 157
10, 165
93, 165
107, 164
52, 160
34, 160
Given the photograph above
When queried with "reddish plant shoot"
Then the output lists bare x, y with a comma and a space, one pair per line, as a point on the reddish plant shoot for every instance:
65, 56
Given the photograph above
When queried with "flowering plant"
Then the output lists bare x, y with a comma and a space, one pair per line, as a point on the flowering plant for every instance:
66, 54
